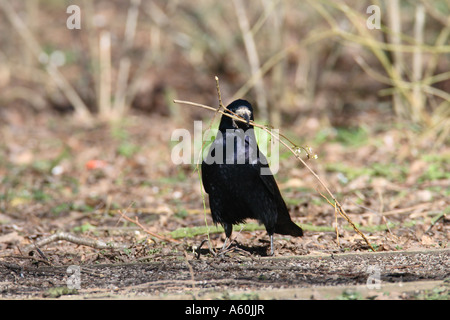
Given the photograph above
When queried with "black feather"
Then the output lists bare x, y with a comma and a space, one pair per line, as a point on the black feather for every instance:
231, 175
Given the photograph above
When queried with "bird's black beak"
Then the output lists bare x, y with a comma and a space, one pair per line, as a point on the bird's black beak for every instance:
247, 118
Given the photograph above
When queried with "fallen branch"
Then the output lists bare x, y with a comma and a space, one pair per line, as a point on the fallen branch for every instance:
17, 267
97, 244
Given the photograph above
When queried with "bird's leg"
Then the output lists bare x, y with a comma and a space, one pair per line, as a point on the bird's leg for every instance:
271, 244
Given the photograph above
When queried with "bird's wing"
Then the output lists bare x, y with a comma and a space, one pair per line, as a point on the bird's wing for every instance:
266, 175
271, 185
208, 165
205, 178
268, 180
284, 224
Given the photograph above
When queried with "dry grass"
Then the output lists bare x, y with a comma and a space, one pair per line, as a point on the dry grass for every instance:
254, 47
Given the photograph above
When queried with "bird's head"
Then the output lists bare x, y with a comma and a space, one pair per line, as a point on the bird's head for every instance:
241, 108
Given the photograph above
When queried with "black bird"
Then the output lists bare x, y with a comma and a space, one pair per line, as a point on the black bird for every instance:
238, 179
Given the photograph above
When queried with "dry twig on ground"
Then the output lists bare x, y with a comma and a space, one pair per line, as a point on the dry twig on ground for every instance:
97, 244
153, 234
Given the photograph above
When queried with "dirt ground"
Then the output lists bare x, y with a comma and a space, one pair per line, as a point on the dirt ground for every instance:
401, 275
102, 171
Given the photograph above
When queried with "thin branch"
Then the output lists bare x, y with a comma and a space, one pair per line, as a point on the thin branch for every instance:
120, 103
104, 106
341, 211
336, 224
417, 65
218, 110
219, 94
252, 55
136, 222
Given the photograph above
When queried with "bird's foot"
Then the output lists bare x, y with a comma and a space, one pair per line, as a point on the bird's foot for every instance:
225, 248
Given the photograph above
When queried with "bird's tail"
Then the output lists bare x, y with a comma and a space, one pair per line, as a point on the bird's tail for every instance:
288, 227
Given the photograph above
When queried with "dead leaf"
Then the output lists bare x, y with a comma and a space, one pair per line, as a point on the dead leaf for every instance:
293, 183
12, 237
416, 170
427, 240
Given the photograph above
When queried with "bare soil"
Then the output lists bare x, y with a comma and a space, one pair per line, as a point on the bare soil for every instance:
401, 275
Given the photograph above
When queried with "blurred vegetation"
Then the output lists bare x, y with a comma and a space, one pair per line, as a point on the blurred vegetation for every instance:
294, 59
